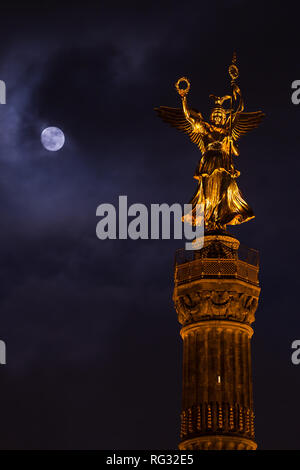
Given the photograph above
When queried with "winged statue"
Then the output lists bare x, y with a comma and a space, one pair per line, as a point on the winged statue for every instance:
217, 141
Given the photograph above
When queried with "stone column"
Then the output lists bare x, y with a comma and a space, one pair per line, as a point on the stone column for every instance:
216, 296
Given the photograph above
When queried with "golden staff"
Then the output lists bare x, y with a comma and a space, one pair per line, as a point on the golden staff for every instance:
233, 73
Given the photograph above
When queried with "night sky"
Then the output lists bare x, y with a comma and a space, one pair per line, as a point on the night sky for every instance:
93, 345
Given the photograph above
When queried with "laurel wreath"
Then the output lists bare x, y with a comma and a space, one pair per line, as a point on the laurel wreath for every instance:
183, 91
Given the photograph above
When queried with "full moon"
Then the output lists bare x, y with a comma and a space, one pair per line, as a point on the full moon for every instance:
52, 138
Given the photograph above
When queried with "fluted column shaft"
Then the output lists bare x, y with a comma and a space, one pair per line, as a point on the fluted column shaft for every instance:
217, 385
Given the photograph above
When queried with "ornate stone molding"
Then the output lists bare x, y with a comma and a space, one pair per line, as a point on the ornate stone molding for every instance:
204, 304
218, 443
214, 417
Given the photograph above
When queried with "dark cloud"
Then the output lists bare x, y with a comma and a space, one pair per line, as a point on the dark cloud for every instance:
94, 354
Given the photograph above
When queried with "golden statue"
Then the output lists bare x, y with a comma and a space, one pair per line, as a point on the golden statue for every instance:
217, 140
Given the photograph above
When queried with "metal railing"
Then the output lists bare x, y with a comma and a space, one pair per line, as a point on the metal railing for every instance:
217, 260
219, 250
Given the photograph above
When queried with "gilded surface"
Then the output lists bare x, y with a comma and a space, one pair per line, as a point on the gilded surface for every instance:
217, 141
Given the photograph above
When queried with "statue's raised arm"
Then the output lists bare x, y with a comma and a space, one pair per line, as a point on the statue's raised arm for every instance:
240, 122
185, 119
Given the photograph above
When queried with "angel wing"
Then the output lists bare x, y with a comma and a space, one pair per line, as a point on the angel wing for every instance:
176, 118
245, 122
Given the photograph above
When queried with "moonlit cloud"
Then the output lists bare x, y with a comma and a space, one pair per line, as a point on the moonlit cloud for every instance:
84, 319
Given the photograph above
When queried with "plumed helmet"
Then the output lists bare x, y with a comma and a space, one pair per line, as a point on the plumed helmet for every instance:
218, 114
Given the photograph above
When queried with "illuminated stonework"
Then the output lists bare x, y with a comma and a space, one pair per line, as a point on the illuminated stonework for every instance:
216, 296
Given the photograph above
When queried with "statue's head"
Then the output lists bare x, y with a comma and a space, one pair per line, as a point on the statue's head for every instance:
218, 115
